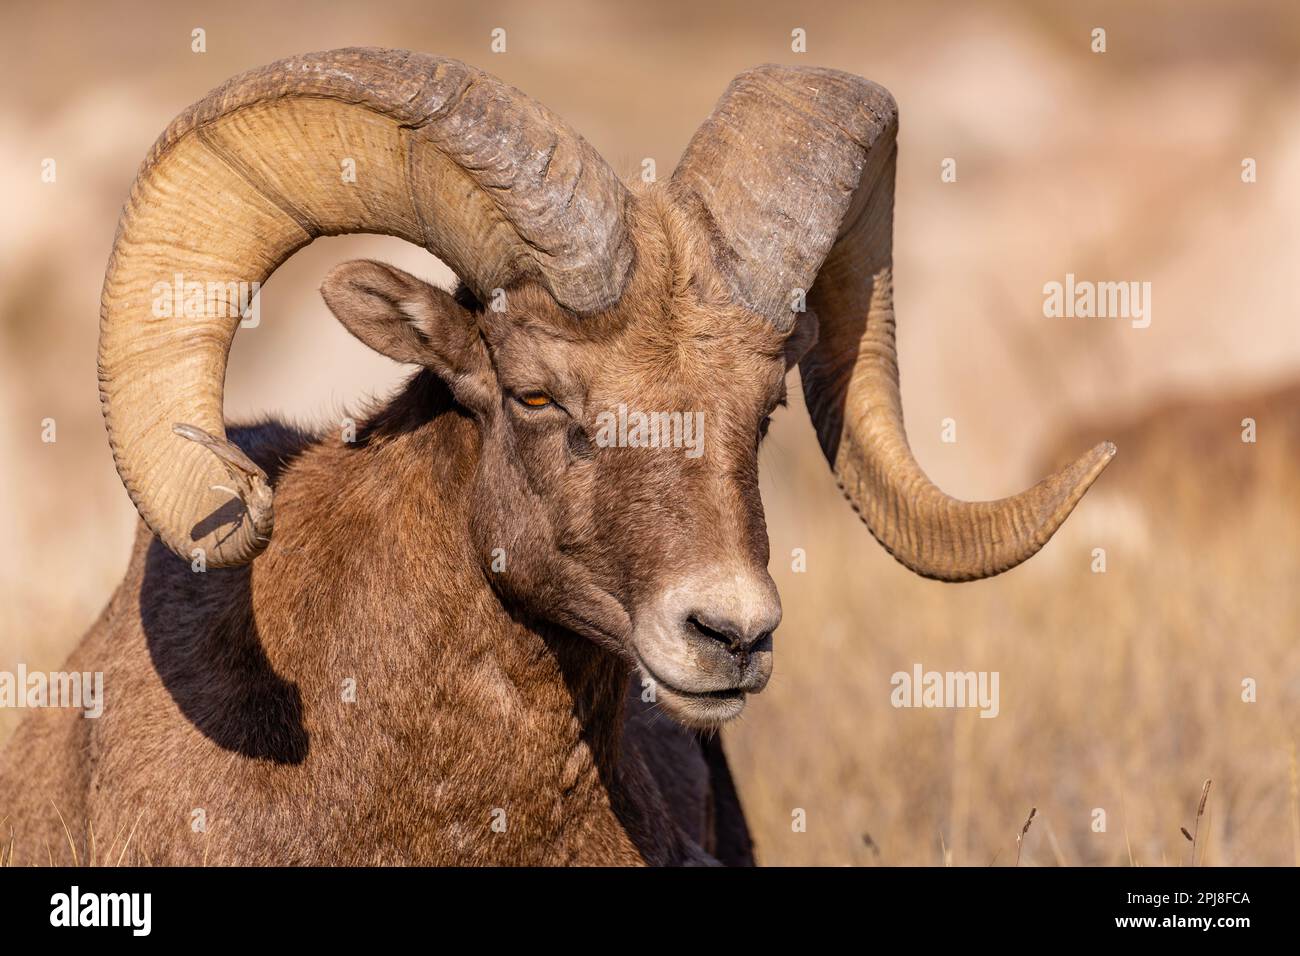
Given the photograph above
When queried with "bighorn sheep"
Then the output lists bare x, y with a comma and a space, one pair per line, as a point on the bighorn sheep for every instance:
476, 566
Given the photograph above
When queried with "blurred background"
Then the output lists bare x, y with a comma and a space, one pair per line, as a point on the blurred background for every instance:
1121, 691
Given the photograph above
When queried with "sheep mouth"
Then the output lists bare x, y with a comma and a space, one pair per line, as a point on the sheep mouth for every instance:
695, 708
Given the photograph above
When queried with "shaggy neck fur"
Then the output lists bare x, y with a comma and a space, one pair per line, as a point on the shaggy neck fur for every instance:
358, 695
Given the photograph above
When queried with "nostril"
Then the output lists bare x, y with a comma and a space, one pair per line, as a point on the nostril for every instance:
725, 632
708, 630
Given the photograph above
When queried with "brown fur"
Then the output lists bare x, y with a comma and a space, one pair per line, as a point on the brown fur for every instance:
477, 691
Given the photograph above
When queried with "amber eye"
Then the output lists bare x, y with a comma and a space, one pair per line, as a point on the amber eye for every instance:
535, 399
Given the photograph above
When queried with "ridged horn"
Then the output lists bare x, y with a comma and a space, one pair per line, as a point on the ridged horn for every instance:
346, 141
795, 173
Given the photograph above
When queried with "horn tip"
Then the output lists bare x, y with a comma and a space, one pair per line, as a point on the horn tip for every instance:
1073, 482
1098, 458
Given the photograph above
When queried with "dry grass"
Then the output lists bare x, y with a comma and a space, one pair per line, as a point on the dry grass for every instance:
83, 851
1196, 827
1020, 837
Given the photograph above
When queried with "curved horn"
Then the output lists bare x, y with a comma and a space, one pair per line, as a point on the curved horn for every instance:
795, 168
359, 140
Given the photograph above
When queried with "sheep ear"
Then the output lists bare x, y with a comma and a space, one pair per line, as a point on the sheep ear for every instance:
393, 312
410, 321
802, 338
